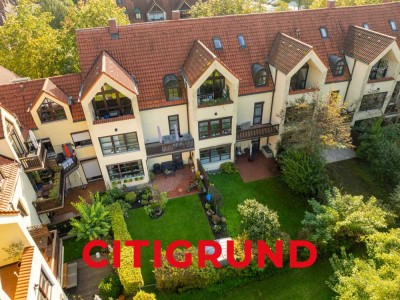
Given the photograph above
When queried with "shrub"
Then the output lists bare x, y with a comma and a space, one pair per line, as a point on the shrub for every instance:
228, 167
141, 295
131, 278
110, 287
157, 205
171, 279
130, 197
303, 172
395, 201
216, 196
258, 222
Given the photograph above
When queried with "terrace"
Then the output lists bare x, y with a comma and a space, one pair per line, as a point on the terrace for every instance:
35, 159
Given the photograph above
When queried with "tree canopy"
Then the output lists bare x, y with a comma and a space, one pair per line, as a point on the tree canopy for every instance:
227, 7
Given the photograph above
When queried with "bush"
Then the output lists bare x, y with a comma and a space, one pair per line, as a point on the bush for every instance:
303, 172
130, 197
395, 201
171, 279
110, 287
258, 222
131, 278
157, 205
144, 296
228, 167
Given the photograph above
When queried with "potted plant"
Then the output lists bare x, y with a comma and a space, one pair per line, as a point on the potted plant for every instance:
14, 251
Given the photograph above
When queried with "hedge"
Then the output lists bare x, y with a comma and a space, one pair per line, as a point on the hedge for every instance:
131, 278
110, 287
144, 296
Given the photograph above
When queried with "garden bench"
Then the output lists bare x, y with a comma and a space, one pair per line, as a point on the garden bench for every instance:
70, 275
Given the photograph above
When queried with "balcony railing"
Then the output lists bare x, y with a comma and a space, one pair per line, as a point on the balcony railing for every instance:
257, 131
169, 145
35, 160
207, 100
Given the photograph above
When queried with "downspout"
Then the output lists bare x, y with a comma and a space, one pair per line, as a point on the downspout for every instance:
272, 102
351, 78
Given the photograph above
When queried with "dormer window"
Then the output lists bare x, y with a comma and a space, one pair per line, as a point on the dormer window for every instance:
337, 65
242, 42
299, 79
379, 69
185, 10
393, 25
172, 88
366, 26
260, 75
217, 43
138, 14
324, 32
50, 111
109, 103
156, 14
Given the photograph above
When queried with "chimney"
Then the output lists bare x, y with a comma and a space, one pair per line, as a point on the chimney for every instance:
112, 24
331, 4
176, 15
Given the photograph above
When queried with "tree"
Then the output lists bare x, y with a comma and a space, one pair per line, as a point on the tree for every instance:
322, 3
304, 172
343, 220
29, 46
58, 8
94, 221
394, 203
226, 7
258, 222
377, 277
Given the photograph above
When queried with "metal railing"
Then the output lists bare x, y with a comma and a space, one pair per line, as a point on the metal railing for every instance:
185, 143
257, 131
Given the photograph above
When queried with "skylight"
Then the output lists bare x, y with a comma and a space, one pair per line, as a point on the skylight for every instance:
324, 32
217, 43
242, 42
393, 25
366, 26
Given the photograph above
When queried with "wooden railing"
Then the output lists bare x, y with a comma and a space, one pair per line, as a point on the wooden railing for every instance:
34, 161
157, 149
50, 204
257, 131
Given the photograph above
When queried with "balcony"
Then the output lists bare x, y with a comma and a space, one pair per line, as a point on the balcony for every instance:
392, 109
169, 145
35, 160
247, 132
207, 100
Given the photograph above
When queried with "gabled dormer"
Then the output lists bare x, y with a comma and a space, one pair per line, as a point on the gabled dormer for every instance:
156, 13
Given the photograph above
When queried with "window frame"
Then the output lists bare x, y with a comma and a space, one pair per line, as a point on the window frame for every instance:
210, 153
256, 116
366, 26
44, 292
374, 74
51, 111
170, 122
14, 139
85, 142
120, 174
24, 212
393, 25
297, 78
341, 67
217, 40
243, 43
171, 83
324, 32
153, 12
380, 100
213, 81
213, 131
114, 147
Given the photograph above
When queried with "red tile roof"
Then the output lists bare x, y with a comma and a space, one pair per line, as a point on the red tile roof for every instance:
150, 51
6, 76
366, 45
51, 89
287, 52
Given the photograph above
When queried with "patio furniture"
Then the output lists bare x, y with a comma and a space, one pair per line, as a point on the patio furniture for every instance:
167, 165
178, 164
70, 275
157, 168
169, 172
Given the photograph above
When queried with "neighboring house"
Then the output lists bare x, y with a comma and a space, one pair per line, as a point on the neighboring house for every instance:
156, 10
198, 88
6, 76
6, 6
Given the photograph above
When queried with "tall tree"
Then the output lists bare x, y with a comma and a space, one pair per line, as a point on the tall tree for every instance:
322, 3
29, 46
58, 8
226, 7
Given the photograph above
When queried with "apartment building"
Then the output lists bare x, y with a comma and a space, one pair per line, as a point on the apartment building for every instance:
192, 90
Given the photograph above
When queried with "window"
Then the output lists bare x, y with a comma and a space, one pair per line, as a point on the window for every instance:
14, 139
81, 139
50, 111
185, 10
258, 112
215, 154
298, 80
119, 143
172, 88
109, 103
119, 2
138, 13
324, 32
394, 103
172, 121
126, 170
393, 25
115, 36
337, 65
260, 75
379, 70
212, 88
242, 42
366, 25
44, 291
156, 14
214, 128
22, 209
372, 101
46, 143
217, 43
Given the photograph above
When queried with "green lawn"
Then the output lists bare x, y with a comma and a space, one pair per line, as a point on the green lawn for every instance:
272, 191
183, 219
73, 249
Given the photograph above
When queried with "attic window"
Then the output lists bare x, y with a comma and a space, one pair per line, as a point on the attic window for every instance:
366, 26
324, 32
393, 25
337, 65
172, 87
138, 13
217, 43
242, 42
115, 36
50, 111
119, 2
260, 75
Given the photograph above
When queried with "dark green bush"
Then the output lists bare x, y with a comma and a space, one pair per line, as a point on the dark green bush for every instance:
110, 287
130, 197
228, 167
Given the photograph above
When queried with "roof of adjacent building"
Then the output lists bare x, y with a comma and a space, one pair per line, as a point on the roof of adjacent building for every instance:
366, 45
6, 76
24, 275
9, 169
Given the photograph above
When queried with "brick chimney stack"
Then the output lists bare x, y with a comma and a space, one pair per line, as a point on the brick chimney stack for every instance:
176, 15
331, 4
112, 23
